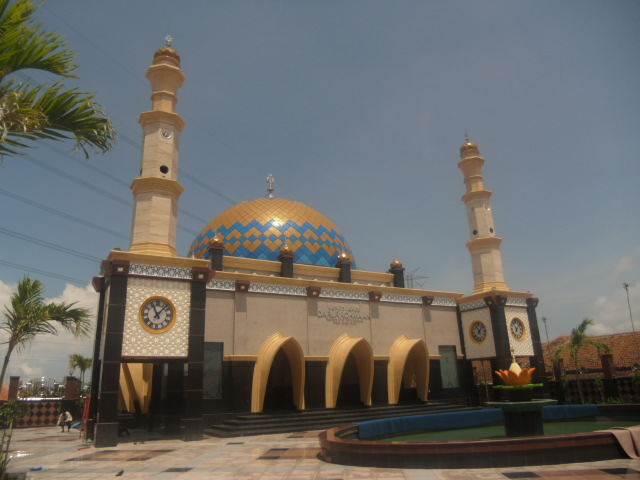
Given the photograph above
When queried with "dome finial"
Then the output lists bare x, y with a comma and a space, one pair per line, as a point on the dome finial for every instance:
270, 180
168, 40
468, 144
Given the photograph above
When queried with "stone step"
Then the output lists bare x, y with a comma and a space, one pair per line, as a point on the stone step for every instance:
264, 423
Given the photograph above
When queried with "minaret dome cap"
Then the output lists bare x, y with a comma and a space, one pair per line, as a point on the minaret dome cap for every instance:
215, 242
469, 145
285, 250
167, 52
396, 263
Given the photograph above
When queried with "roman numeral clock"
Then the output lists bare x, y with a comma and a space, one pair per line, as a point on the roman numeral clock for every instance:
157, 314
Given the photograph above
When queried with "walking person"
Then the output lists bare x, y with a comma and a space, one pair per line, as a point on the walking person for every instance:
65, 418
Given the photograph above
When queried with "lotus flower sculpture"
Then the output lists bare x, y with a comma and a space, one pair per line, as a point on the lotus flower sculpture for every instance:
516, 375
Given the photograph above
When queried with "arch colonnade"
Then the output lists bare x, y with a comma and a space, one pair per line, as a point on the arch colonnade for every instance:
408, 365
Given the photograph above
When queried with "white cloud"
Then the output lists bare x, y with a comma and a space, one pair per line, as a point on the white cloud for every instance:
83, 297
611, 310
5, 294
629, 265
29, 372
48, 355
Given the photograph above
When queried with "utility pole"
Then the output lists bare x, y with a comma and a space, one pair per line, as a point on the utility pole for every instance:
626, 286
544, 320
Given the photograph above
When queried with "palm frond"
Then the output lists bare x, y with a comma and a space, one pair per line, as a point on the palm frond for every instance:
29, 112
56, 114
37, 48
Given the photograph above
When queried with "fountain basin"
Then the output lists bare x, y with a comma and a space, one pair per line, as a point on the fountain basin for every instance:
355, 445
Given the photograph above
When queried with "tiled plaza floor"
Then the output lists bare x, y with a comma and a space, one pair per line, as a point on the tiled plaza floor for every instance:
47, 453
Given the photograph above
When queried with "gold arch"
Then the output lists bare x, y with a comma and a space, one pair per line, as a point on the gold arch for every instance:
408, 358
261, 370
340, 350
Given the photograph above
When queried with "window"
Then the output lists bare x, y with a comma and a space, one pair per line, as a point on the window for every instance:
449, 366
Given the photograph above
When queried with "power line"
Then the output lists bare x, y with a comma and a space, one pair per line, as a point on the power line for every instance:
208, 188
63, 214
86, 164
52, 246
101, 191
77, 180
184, 174
138, 78
94, 188
75, 281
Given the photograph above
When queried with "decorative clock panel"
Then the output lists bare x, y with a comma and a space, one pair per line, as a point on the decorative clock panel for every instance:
156, 318
478, 335
519, 331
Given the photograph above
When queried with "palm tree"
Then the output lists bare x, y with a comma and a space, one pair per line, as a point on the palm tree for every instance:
29, 112
28, 315
83, 363
577, 340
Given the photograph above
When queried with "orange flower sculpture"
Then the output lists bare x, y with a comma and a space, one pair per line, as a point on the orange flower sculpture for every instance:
516, 375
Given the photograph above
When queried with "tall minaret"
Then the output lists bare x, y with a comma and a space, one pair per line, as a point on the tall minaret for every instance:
156, 191
484, 246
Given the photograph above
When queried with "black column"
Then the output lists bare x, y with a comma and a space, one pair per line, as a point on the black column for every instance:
538, 360
344, 264
173, 401
500, 331
157, 400
99, 285
286, 258
192, 420
217, 254
398, 273
106, 431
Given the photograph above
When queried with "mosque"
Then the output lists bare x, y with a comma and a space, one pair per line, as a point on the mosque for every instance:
268, 310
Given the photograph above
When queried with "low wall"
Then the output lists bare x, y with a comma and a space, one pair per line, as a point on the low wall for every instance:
45, 412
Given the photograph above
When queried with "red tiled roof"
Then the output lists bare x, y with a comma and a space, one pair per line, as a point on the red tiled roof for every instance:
626, 352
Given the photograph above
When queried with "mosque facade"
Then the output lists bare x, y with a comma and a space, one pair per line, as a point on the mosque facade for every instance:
268, 310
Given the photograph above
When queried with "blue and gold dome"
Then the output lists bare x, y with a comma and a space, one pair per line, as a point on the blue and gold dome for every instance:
260, 228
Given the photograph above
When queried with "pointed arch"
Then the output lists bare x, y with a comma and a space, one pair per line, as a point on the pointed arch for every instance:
408, 358
340, 351
262, 368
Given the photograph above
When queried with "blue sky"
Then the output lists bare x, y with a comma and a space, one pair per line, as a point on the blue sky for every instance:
358, 108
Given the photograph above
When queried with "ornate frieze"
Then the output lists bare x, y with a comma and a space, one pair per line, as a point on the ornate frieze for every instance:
386, 297
228, 285
465, 307
516, 302
344, 294
443, 302
277, 289
160, 271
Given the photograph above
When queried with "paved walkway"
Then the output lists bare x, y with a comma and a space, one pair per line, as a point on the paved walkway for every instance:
47, 453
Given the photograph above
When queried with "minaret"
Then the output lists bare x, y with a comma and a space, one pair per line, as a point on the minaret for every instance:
484, 246
156, 191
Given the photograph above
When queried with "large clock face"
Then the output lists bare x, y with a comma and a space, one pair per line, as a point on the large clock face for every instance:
157, 314
517, 329
478, 331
